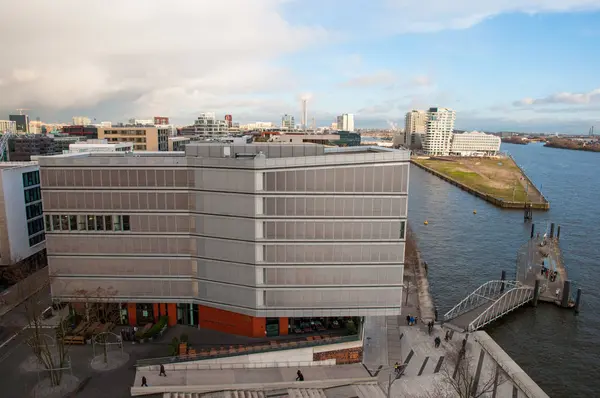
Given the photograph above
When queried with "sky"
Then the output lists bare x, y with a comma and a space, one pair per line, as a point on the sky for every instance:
516, 65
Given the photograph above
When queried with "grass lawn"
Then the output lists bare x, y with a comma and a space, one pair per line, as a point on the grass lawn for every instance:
500, 178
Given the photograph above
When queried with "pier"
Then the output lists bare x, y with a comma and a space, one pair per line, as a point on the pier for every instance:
541, 275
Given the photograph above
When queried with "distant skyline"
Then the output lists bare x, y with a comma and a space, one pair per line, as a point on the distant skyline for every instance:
527, 65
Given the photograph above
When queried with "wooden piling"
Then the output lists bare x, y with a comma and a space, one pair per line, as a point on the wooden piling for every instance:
578, 300
532, 230
558, 233
551, 230
536, 292
502, 278
566, 294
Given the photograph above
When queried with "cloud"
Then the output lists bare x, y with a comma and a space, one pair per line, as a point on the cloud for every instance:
167, 55
379, 78
443, 14
563, 98
421, 81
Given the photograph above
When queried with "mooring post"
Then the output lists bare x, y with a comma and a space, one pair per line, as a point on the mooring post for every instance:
502, 278
578, 300
558, 233
566, 294
532, 230
536, 292
551, 230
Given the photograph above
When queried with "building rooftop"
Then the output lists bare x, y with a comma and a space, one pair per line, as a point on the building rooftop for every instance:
16, 165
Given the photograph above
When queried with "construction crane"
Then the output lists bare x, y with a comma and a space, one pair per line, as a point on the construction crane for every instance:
4, 145
22, 109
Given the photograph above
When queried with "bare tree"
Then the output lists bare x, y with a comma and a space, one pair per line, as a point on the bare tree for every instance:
101, 309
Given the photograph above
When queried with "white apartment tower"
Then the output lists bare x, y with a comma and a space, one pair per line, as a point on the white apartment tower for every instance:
345, 122
81, 121
415, 126
440, 126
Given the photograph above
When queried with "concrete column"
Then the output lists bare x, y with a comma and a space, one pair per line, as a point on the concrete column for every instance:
578, 300
532, 230
502, 278
565, 294
551, 231
536, 292
558, 233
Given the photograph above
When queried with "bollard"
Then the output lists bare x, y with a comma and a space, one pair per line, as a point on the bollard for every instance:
536, 292
558, 233
578, 300
566, 294
532, 230
502, 278
551, 231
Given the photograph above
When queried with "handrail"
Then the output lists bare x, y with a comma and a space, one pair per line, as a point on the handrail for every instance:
199, 365
488, 291
514, 298
258, 349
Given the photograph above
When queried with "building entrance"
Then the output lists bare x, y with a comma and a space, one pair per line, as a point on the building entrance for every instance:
187, 314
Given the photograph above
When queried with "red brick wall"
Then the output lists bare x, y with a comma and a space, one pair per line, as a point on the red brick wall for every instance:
349, 355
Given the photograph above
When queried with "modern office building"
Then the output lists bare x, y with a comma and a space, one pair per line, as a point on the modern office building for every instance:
23, 146
141, 122
178, 143
81, 121
288, 122
206, 125
415, 122
440, 127
236, 238
345, 122
475, 143
161, 120
21, 121
21, 215
99, 146
88, 132
347, 138
144, 138
8, 126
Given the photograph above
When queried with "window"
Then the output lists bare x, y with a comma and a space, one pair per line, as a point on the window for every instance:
64, 223
32, 194
55, 222
31, 178
99, 223
34, 240
108, 223
33, 210
48, 223
402, 229
117, 222
126, 226
35, 226
81, 223
73, 223
91, 223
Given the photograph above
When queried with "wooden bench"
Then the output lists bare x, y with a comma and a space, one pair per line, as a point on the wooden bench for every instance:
79, 340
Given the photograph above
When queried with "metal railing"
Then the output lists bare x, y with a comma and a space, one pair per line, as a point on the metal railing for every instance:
485, 293
509, 301
240, 365
259, 349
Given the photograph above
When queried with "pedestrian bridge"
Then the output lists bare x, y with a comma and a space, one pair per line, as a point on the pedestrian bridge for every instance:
487, 303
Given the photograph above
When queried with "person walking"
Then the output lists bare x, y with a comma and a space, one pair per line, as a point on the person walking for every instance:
437, 342
408, 320
162, 370
144, 383
299, 376
447, 337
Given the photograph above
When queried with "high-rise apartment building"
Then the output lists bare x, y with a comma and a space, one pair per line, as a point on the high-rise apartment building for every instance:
21, 215
8, 126
206, 125
288, 122
475, 143
231, 237
440, 127
21, 121
345, 122
146, 138
415, 126
81, 121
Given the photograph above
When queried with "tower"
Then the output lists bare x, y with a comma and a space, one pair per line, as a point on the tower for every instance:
304, 113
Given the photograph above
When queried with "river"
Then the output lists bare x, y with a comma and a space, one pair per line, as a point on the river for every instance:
557, 348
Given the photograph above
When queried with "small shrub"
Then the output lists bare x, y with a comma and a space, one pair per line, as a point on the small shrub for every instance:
157, 327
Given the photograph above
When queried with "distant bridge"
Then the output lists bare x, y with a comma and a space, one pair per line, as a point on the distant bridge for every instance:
487, 303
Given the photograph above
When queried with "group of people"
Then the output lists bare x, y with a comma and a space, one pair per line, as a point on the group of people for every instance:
549, 274
411, 320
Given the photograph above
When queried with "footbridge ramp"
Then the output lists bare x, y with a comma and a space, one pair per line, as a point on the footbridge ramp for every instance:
487, 303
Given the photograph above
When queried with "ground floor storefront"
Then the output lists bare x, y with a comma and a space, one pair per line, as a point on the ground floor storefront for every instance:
140, 314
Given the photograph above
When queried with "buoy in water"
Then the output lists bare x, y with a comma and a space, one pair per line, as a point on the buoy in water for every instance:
426, 222
474, 211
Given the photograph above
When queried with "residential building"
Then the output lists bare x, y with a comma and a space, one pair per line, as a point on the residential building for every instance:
35, 127
22, 122
144, 138
161, 120
475, 143
100, 146
324, 139
62, 144
229, 120
8, 126
141, 122
345, 122
236, 238
206, 125
81, 121
88, 132
347, 138
21, 215
257, 126
178, 143
438, 137
287, 122
23, 146
105, 124
415, 122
